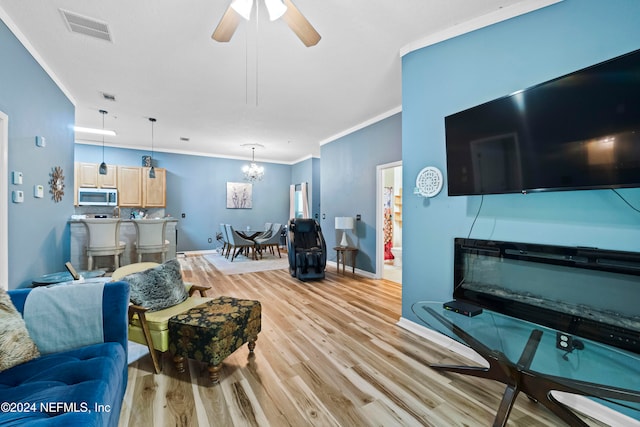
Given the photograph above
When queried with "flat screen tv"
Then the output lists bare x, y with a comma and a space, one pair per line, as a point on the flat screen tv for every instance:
579, 131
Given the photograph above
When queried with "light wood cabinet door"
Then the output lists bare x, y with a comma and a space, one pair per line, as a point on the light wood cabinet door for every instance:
87, 175
129, 186
110, 180
154, 194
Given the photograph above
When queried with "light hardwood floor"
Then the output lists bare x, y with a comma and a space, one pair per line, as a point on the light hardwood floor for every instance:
329, 354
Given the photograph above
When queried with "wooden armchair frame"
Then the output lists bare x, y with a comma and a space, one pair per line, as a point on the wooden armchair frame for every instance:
142, 318
139, 313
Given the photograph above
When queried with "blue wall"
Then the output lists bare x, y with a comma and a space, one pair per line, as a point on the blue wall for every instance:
348, 182
38, 229
196, 186
477, 67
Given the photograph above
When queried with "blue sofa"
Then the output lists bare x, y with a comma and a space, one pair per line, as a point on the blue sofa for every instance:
82, 386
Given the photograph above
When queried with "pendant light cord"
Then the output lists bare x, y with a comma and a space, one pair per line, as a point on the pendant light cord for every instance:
257, 44
103, 112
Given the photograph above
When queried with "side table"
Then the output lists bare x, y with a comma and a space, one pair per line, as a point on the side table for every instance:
341, 252
64, 276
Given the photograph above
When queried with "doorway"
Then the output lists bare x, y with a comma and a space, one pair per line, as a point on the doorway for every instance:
4, 197
389, 222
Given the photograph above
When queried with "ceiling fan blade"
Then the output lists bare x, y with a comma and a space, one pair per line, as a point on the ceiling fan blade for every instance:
299, 25
227, 26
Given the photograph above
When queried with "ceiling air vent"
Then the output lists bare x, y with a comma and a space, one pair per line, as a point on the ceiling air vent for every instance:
85, 25
108, 96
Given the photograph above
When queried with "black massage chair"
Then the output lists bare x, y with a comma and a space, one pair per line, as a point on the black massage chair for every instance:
307, 249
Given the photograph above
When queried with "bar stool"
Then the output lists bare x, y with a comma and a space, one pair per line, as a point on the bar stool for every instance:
104, 240
151, 237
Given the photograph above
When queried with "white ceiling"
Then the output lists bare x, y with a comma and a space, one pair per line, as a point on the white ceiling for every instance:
263, 87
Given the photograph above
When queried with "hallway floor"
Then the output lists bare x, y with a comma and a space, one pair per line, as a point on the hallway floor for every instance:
393, 273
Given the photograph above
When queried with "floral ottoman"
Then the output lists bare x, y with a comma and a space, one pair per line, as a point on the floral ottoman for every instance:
212, 331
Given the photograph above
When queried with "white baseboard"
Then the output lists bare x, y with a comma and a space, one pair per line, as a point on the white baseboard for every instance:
579, 403
367, 274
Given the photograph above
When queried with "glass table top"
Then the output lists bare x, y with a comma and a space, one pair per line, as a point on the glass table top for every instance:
582, 360
65, 276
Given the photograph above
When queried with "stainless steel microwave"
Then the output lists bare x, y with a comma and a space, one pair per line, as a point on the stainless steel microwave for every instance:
97, 197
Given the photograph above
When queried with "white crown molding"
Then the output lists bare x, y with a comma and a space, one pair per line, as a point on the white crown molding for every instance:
4, 16
183, 152
480, 22
363, 125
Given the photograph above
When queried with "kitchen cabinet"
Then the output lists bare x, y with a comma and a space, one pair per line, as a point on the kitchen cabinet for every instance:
129, 186
137, 190
86, 175
110, 180
154, 194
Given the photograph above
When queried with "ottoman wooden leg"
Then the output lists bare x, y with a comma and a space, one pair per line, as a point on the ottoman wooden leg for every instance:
251, 345
214, 373
179, 361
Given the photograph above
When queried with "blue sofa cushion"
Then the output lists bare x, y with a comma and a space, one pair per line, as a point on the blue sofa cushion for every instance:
80, 387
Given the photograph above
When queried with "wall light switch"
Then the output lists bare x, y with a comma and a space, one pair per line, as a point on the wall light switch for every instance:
16, 177
38, 191
17, 196
41, 141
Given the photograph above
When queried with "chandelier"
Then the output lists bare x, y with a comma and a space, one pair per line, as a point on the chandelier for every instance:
253, 172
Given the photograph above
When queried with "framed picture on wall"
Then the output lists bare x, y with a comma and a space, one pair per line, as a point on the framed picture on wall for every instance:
239, 195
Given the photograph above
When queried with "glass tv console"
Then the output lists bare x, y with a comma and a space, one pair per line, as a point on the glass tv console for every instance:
537, 360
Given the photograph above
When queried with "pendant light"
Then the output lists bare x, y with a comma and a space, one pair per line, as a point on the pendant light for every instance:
103, 166
152, 171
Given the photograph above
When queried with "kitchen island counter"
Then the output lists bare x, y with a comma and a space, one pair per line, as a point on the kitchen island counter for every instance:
78, 255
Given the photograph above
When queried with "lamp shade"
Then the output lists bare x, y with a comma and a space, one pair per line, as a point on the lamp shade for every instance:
344, 223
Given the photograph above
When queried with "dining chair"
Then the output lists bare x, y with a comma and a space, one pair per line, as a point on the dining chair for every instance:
268, 231
151, 237
225, 240
103, 240
271, 241
239, 243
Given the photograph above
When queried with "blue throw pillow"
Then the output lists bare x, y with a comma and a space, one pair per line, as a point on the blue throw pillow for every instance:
159, 287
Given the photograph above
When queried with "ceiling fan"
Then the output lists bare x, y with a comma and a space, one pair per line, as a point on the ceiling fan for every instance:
276, 9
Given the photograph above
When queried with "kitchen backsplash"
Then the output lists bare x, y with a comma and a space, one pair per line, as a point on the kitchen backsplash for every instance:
125, 213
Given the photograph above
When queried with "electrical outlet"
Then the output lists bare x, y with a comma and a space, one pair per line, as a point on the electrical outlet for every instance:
564, 341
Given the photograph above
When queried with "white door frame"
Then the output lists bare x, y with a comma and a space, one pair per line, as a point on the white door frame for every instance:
380, 216
4, 200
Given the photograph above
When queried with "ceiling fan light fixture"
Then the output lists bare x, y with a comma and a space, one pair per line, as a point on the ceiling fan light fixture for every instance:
243, 7
276, 9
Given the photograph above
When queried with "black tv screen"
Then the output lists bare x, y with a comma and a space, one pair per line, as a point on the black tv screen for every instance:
579, 131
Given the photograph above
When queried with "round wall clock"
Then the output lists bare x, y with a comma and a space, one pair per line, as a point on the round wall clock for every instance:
57, 184
429, 181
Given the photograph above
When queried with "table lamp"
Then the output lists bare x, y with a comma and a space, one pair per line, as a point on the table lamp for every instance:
344, 223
